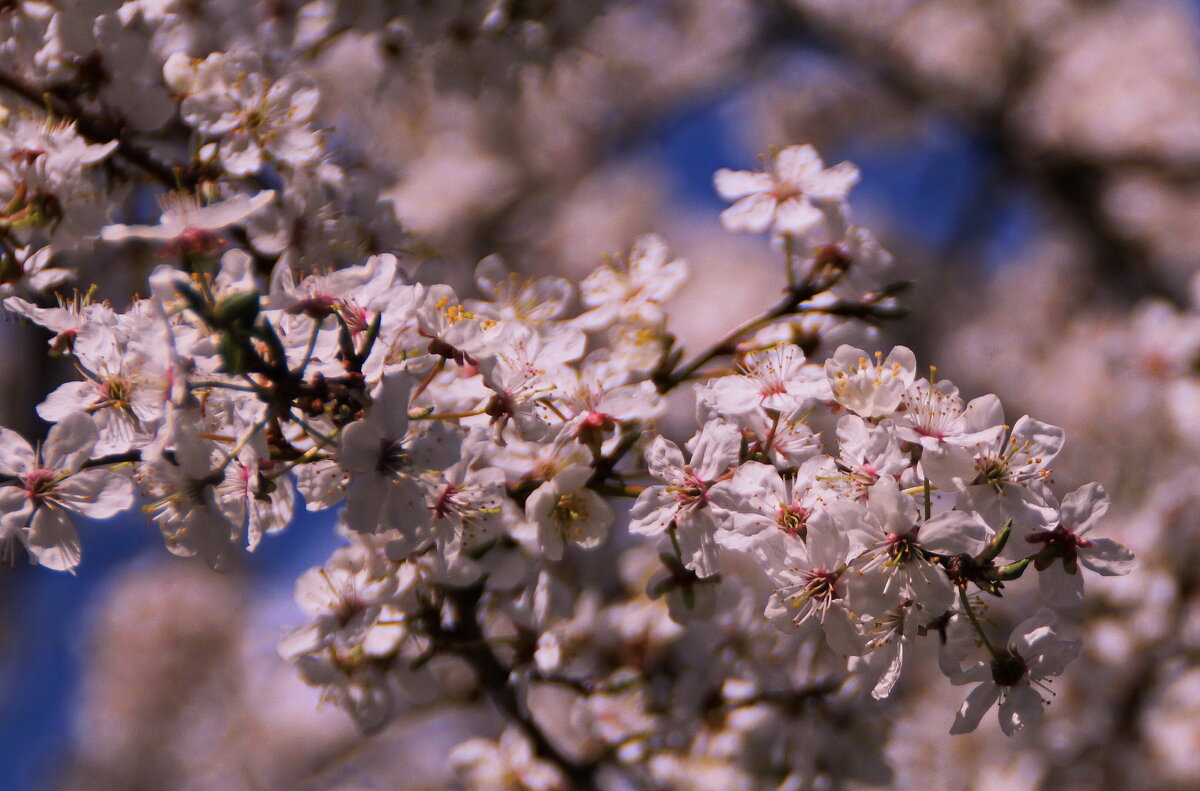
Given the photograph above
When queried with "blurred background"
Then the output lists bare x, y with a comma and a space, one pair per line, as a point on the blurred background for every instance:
1033, 166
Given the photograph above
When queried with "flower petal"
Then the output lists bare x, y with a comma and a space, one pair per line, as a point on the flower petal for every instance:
361, 447
1060, 588
751, 214
1021, 706
70, 443
953, 533
16, 455
52, 539
733, 184
97, 494
664, 459
797, 215
1107, 557
796, 164
1082, 508
974, 707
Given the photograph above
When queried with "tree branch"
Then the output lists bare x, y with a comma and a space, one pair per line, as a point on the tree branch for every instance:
98, 130
466, 639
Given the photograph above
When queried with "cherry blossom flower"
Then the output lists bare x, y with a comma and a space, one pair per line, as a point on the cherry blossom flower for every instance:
889, 629
30, 270
507, 765
870, 388
785, 440
635, 292
1067, 545
869, 454
758, 499
47, 181
511, 297
776, 378
185, 492
188, 226
268, 497
386, 460
1033, 656
789, 198
228, 98
598, 397
683, 503
468, 507
931, 414
522, 376
64, 321
131, 380
810, 578
454, 332
51, 483
897, 546
564, 512
1000, 473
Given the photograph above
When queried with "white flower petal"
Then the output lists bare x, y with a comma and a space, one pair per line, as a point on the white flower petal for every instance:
1082, 508
1060, 588
796, 164
733, 184
70, 443
52, 539
16, 455
974, 707
97, 494
1021, 706
664, 459
1107, 557
797, 216
751, 214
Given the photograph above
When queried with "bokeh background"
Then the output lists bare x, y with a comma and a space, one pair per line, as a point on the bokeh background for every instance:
1034, 167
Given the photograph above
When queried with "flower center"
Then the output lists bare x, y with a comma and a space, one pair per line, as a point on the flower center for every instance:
902, 547
1059, 537
1008, 668
115, 392
38, 484
393, 458
445, 504
315, 306
793, 520
820, 584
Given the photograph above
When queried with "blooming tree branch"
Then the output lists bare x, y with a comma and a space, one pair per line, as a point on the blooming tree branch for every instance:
766, 584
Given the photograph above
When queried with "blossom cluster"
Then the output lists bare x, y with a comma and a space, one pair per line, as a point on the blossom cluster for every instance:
831, 509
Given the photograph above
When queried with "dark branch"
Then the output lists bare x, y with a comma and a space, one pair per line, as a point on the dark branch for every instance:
98, 130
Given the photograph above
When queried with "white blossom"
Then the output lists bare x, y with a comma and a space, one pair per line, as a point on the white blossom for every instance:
1032, 656
788, 198
51, 483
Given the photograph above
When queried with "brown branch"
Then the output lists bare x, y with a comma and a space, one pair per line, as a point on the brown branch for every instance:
98, 130
128, 457
465, 638
869, 309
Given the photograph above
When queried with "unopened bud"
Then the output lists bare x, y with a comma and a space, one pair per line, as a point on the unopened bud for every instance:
996, 545
1012, 570
238, 309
